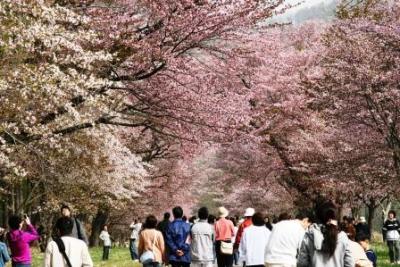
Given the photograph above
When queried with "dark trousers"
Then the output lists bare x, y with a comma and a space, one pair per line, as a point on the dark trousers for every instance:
133, 250
106, 252
394, 250
223, 260
179, 264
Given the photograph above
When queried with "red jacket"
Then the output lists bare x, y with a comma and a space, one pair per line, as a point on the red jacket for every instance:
243, 226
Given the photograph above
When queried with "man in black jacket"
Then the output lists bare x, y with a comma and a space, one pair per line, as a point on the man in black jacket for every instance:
78, 231
363, 228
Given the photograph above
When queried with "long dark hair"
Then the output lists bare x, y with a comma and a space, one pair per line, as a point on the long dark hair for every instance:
326, 215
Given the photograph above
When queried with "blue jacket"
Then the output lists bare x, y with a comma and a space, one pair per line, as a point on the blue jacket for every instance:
4, 257
176, 237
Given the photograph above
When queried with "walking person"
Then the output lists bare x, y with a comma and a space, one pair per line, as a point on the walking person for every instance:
248, 214
202, 246
19, 240
135, 227
151, 244
235, 251
285, 240
66, 248
391, 229
323, 244
224, 231
254, 242
4, 256
78, 231
176, 239
105, 237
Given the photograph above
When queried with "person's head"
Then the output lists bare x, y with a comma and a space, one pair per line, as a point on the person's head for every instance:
64, 226
349, 229
326, 215
177, 212
15, 222
211, 219
105, 227
222, 212
184, 218
258, 219
65, 211
284, 216
392, 214
363, 240
192, 219
249, 212
305, 217
167, 215
203, 213
151, 222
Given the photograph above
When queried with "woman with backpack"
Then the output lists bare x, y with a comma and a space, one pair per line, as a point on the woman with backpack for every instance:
324, 245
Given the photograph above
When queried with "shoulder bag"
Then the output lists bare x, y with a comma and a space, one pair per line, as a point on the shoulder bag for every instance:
148, 256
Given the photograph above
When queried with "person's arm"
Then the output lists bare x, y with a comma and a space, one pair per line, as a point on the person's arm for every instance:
30, 234
141, 244
86, 259
48, 254
82, 232
169, 236
161, 245
348, 258
304, 257
5, 255
102, 236
242, 248
239, 235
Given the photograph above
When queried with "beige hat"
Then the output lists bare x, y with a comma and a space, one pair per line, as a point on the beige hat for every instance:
362, 219
222, 212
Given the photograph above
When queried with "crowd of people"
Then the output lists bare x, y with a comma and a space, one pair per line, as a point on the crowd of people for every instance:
311, 239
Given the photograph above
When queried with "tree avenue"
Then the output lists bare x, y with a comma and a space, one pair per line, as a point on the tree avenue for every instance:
120, 108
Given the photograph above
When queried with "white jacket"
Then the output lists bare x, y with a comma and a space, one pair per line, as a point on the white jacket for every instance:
76, 250
253, 245
105, 237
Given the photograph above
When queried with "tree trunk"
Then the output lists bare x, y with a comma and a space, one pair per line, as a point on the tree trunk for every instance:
371, 215
97, 224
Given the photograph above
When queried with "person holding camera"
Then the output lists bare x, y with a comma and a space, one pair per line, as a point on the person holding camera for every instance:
19, 240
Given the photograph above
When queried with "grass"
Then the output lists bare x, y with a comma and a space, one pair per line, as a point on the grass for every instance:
120, 257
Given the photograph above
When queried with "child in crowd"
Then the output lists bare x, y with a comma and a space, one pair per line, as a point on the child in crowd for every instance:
363, 240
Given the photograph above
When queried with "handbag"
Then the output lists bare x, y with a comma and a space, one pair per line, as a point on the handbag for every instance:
226, 248
148, 256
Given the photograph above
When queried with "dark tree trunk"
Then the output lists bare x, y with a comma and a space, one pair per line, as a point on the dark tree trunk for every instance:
371, 215
97, 224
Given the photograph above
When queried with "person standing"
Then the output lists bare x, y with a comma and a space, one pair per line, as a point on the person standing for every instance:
19, 240
66, 247
202, 246
105, 237
224, 231
323, 244
285, 241
152, 241
135, 227
246, 223
4, 256
163, 225
254, 242
78, 231
235, 251
176, 238
391, 230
